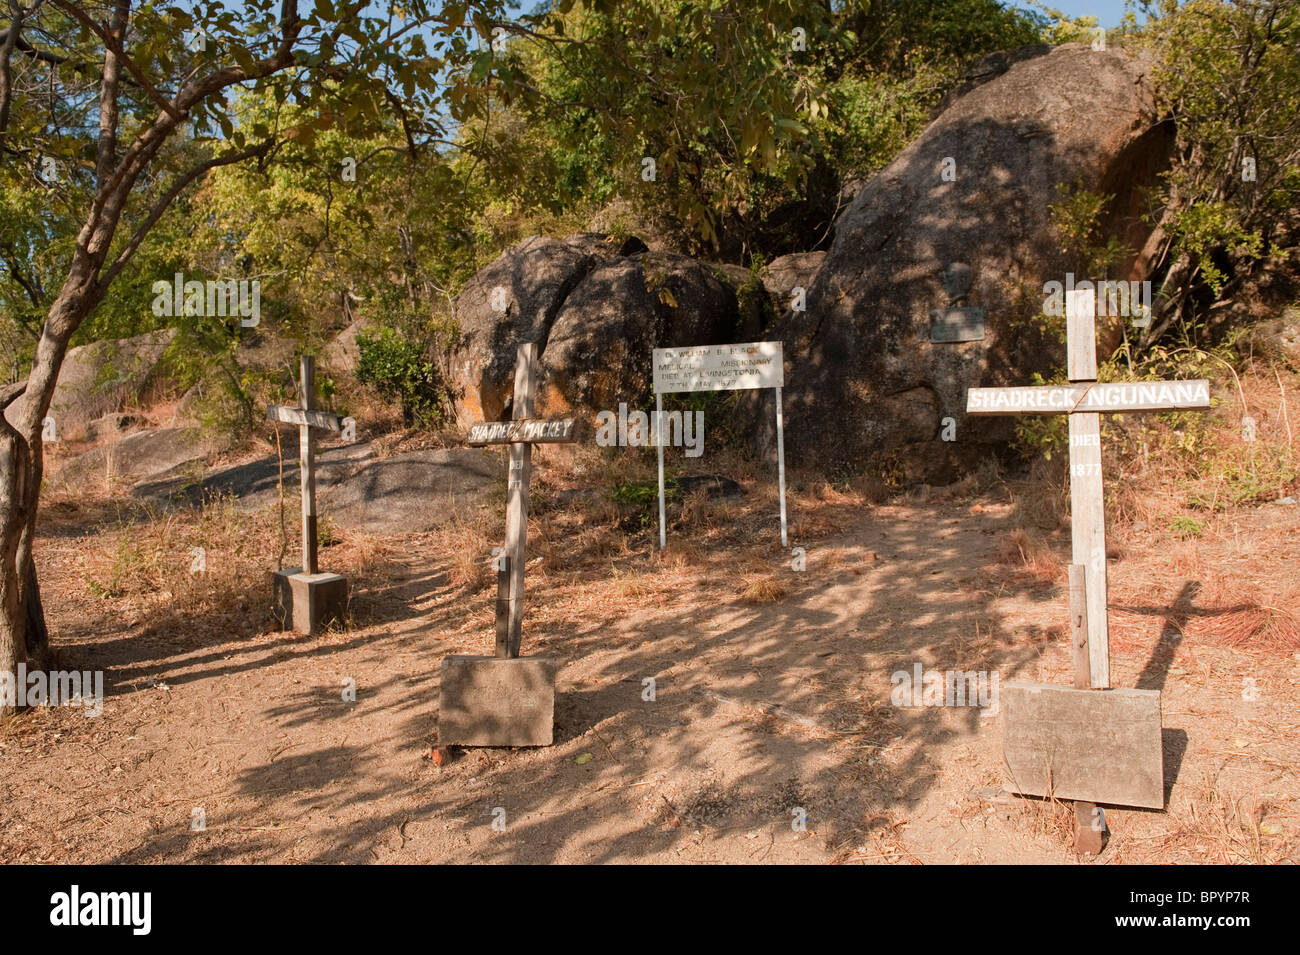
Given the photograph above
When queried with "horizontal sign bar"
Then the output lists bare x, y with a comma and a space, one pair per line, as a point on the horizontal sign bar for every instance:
288, 414
527, 431
1090, 397
718, 367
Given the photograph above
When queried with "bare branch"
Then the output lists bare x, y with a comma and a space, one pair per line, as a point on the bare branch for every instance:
160, 206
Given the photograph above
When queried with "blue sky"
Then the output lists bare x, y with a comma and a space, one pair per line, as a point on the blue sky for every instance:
1108, 12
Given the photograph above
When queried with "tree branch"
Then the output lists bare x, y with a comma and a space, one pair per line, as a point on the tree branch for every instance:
148, 142
6, 51
22, 46
9, 394
113, 42
159, 207
108, 99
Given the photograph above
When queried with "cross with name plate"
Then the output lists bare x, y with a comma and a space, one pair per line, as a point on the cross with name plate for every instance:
305, 598
1050, 733
506, 699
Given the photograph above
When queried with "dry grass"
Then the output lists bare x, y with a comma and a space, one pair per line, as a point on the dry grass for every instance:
1226, 828
765, 590
593, 556
208, 563
1033, 554
465, 540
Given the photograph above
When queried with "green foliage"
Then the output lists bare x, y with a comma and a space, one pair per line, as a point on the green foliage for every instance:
1062, 28
639, 502
398, 371
1076, 216
642, 493
1266, 473
753, 118
1202, 230
1042, 436
359, 82
876, 115
1229, 76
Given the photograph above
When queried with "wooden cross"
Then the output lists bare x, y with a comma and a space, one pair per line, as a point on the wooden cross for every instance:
521, 434
307, 419
1082, 719
1084, 400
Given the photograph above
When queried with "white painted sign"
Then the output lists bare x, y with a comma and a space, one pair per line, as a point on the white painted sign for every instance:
719, 367
530, 431
1090, 396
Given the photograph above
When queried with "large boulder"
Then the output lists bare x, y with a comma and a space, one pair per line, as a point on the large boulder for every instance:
598, 351
101, 378
865, 383
1276, 338
342, 354
359, 487
512, 300
785, 273
134, 457
603, 247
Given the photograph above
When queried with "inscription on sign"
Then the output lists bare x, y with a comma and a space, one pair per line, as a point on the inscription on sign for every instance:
964, 324
1088, 396
718, 367
531, 431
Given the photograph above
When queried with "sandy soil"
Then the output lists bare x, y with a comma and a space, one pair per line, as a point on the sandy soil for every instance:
770, 701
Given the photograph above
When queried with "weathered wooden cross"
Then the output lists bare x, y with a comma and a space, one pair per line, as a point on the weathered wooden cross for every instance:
507, 700
306, 599
1072, 743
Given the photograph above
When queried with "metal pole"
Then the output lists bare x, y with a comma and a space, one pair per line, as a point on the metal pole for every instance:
659, 415
780, 465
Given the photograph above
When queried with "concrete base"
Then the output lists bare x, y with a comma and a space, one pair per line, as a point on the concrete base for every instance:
308, 603
495, 701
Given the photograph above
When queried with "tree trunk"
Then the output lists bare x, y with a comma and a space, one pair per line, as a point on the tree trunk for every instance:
14, 619
24, 637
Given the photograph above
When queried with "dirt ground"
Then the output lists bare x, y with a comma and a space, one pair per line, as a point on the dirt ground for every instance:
771, 699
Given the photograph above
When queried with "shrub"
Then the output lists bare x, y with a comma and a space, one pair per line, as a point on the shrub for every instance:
396, 368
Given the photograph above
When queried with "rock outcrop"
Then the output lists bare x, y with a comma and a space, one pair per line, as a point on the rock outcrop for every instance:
784, 274
596, 308
599, 349
101, 378
961, 218
514, 299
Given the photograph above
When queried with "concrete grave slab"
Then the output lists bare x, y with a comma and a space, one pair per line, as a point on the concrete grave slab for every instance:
497, 701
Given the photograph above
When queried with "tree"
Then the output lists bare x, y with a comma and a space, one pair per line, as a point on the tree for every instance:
1228, 74
752, 115
129, 105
